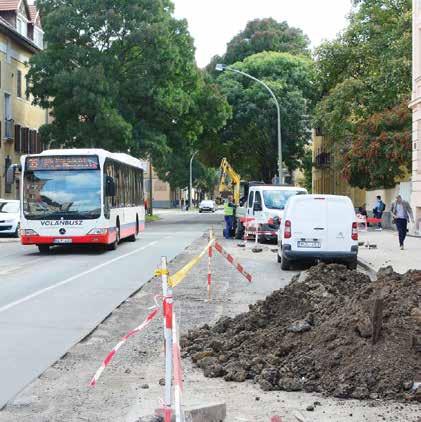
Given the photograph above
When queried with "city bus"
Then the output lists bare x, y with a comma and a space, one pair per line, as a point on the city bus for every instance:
81, 196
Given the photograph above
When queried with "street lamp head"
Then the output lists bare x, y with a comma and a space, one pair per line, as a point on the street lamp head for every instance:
220, 67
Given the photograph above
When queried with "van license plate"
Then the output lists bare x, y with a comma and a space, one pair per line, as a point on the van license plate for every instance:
60, 241
308, 244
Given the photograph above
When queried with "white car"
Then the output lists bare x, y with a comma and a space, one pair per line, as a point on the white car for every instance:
9, 217
207, 206
318, 227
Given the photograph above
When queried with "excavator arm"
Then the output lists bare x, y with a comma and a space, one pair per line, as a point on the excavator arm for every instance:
229, 181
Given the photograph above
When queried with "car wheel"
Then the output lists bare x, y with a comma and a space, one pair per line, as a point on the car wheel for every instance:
17, 234
285, 264
279, 258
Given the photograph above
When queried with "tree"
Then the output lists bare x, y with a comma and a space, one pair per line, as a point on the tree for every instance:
263, 35
121, 75
249, 140
381, 151
364, 73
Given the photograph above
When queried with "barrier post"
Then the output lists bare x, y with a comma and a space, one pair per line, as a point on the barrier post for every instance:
256, 247
209, 265
167, 310
178, 377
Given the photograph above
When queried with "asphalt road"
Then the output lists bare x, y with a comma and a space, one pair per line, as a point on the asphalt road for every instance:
50, 302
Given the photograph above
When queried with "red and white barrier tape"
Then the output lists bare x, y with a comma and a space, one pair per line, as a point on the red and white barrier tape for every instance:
113, 352
233, 262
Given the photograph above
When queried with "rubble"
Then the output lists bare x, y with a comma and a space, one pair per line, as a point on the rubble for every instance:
315, 335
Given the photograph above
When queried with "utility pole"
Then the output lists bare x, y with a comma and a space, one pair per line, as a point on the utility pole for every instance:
150, 211
191, 179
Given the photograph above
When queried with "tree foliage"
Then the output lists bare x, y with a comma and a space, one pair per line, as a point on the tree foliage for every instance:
381, 151
121, 75
364, 72
263, 35
249, 140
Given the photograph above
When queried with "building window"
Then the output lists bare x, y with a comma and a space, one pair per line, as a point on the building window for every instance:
22, 26
38, 37
19, 84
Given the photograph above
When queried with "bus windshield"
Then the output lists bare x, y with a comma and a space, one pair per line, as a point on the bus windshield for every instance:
69, 194
277, 199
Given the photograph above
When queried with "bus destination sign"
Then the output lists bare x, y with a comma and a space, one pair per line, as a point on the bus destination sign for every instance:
62, 162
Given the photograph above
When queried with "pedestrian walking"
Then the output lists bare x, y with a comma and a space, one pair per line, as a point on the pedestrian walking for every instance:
402, 213
229, 211
378, 211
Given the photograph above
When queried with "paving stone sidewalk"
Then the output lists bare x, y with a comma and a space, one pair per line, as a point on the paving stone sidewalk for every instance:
387, 251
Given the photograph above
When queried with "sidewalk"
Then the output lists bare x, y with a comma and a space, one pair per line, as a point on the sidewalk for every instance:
388, 252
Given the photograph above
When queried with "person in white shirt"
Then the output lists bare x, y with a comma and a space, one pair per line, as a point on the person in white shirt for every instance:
402, 213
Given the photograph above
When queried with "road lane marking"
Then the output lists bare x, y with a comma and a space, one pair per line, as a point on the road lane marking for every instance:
75, 277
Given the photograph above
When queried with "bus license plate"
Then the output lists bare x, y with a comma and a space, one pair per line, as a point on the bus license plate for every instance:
308, 244
61, 241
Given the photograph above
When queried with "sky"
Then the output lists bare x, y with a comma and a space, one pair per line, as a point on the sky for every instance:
213, 23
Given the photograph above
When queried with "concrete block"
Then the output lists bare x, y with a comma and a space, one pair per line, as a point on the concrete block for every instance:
209, 413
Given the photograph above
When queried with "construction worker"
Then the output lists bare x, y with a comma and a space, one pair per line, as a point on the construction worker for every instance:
229, 212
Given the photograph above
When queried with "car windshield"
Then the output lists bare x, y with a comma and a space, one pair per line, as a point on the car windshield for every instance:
62, 194
207, 203
277, 199
9, 207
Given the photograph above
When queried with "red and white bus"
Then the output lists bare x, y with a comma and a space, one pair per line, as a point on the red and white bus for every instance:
81, 196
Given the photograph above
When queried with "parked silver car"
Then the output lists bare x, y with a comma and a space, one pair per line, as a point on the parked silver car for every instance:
9, 217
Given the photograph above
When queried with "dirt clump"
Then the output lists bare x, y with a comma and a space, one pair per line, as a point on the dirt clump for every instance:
315, 335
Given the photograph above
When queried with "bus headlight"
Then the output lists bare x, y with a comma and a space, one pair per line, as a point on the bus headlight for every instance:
98, 231
28, 232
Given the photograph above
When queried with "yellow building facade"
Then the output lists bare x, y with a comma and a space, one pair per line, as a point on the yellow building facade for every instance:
326, 176
20, 38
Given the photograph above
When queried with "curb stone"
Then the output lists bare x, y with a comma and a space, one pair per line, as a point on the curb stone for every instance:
367, 266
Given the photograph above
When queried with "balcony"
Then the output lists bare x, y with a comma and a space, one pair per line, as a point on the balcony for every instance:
9, 132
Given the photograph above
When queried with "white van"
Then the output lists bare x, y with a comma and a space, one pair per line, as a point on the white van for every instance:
264, 207
318, 227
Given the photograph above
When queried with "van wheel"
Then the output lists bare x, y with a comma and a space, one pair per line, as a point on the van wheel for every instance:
279, 258
285, 264
43, 249
352, 265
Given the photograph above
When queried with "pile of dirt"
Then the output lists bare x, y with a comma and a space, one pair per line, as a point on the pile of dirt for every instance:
315, 335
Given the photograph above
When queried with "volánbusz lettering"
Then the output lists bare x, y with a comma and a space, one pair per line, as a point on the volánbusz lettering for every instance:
62, 223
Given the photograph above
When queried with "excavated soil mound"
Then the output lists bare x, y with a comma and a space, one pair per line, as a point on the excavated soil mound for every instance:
315, 335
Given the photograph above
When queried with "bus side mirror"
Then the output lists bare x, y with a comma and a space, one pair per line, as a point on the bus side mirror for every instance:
109, 186
10, 174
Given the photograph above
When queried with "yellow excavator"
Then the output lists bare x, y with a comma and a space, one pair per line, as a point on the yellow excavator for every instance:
229, 182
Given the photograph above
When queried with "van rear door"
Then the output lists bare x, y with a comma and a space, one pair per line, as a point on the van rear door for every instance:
341, 215
308, 223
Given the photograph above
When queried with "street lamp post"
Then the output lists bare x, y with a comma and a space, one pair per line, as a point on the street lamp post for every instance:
191, 179
222, 68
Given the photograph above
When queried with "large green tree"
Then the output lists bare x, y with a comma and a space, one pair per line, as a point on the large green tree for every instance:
249, 140
263, 35
121, 75
364, 72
